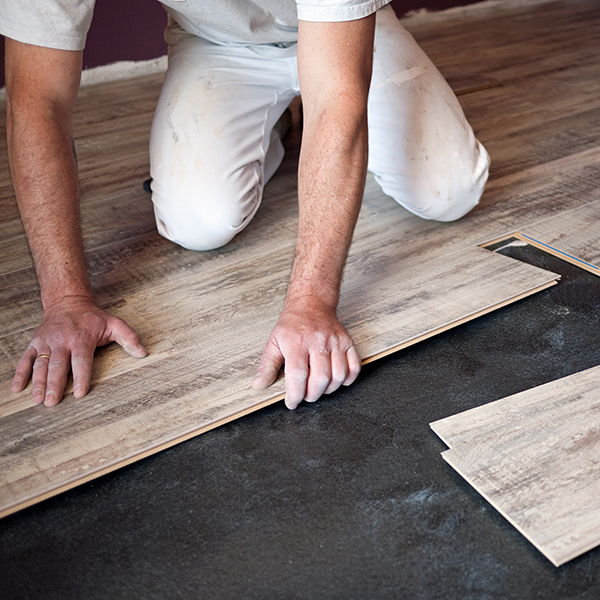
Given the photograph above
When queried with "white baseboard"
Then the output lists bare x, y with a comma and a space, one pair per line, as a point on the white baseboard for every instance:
123, 70
424, 15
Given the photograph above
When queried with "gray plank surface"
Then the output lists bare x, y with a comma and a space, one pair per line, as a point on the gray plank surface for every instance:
534, 456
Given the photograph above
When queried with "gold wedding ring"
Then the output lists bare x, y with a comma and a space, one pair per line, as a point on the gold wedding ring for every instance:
42, 356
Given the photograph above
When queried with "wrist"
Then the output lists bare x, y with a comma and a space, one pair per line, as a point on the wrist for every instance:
314, 282
68, 302
305, 300
61, 289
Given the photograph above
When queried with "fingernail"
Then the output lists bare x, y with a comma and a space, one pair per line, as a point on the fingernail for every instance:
38, 395
79, 391
50, 397
141, 351
15, 385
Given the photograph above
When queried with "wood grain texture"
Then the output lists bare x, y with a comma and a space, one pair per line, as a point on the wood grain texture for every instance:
217, 326
534, 456
206, 316
572, 236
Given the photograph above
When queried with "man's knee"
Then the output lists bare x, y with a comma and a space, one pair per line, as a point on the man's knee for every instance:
193, 232
443, 203
444, 195
204, 220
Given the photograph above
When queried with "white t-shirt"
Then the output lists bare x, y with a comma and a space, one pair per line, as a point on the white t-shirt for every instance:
63, 24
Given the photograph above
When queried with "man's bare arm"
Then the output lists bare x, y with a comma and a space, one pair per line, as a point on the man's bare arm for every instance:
42, 86
334, 65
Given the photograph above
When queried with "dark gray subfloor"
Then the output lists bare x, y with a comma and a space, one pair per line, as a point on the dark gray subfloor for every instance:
345, 499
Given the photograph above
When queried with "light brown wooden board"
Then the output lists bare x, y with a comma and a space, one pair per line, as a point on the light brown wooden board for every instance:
534, 456
538, 127
205, 381
573, 236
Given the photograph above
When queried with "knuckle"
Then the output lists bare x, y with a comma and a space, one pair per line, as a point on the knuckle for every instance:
321, 381
297, 374
337, 381
322, 339
79, 360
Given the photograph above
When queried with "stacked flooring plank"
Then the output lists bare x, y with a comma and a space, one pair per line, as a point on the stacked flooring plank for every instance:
205, 316
534, 456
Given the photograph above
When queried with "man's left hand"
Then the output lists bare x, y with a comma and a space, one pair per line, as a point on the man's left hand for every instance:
318, 353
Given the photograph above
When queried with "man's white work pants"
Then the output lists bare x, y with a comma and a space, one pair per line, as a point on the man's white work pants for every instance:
213, 146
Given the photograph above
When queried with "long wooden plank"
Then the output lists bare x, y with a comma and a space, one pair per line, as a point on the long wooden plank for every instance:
534, 456
206, 382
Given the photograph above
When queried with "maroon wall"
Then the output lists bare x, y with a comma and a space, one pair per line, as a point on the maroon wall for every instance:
132, 30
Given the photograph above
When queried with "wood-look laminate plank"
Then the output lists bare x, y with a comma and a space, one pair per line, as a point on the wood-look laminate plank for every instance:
471, 83
110, 361
132, 216
111, 164
206, 382
572, 236
553, 75
513, 40
534, 456
402, 306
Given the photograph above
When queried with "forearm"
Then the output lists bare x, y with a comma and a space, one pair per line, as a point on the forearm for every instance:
44, 172
334, 66
318, 353
332, 174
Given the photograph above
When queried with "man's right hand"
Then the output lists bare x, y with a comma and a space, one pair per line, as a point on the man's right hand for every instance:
41, 88
65, 341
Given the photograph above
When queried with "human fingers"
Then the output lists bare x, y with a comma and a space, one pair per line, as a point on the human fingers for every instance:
354, 365
82, 359
319, 375
59, 365
268, 367
296, 377
39, 376
24, 370
339, 370
126, 337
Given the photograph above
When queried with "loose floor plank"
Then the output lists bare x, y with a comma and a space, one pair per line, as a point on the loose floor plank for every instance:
534, 456
206, 381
